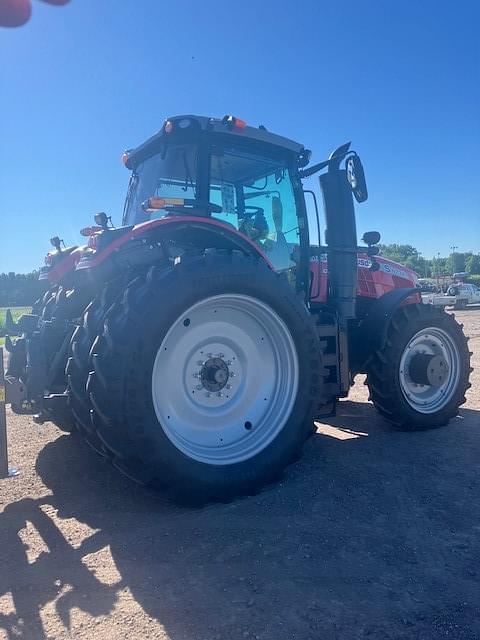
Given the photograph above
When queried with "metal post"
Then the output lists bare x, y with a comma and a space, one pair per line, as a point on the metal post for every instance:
5, 471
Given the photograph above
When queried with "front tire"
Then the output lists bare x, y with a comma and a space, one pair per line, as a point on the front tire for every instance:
419, 378
205, 378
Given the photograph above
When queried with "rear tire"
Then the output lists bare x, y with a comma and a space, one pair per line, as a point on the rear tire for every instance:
59, 305
78, 364
421, 331
188, 455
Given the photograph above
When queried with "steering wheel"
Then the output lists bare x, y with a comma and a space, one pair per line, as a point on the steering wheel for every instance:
254, 224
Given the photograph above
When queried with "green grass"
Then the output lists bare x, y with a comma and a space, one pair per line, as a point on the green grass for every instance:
16, 313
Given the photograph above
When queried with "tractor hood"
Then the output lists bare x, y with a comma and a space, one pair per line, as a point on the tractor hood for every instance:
396, 270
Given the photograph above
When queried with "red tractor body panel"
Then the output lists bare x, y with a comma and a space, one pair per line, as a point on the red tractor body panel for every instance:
145, 227
371, 284
64, 266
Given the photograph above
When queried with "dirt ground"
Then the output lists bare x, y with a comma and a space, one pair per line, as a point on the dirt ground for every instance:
373, 534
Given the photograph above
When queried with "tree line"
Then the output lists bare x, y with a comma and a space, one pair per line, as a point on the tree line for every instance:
20, 289
408, 255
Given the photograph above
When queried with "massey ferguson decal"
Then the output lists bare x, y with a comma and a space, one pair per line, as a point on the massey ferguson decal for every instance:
364, 263
393, 270
371, 284
386, 267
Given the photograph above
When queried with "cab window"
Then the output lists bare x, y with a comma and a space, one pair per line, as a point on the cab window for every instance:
257, 198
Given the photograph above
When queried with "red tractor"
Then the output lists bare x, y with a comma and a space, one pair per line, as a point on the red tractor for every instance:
195, 345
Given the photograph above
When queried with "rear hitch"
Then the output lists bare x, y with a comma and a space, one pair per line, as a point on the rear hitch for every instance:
16, 395
11, 327
36, 369
27, 324
17, 357
26, 366
9, 345
15, 388
29, 371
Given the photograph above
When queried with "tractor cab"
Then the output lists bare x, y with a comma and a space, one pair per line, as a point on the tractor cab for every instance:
244, 177
250, 180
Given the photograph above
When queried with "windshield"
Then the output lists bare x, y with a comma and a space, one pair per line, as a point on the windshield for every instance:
171, 173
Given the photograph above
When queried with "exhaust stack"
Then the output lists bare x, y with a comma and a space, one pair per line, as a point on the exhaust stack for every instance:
341, 236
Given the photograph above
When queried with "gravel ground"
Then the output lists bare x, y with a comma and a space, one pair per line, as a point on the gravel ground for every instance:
373, 534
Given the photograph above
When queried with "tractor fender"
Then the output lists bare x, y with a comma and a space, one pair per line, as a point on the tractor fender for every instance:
372, 332
63, 267
136, 243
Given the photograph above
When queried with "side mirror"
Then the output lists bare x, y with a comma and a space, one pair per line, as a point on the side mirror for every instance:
56, 242
101, 219
356, 178
371, 237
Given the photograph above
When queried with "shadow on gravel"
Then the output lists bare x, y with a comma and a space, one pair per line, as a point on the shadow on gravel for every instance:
374, 534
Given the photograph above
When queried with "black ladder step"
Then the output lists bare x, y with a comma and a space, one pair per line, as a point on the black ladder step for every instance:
327, 330
330, 359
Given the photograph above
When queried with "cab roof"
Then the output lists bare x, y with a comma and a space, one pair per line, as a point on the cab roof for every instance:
187, 126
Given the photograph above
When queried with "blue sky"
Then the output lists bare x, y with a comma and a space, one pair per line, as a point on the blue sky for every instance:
83, 82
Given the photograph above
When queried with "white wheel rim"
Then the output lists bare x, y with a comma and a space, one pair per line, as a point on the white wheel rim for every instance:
225, 379
425, 398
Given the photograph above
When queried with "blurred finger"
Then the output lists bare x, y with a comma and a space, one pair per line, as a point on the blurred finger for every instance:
14, 13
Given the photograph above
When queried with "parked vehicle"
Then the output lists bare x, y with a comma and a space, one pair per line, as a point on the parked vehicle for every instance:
195, 345
465, 294
439, 299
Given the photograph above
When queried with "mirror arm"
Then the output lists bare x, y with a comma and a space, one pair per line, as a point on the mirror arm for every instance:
305, 173
333, 161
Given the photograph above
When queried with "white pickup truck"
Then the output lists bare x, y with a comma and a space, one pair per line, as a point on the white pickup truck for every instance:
458, 296
465, 294
439, 299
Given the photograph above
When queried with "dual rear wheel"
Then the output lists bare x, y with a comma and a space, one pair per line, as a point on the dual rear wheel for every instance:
202, 378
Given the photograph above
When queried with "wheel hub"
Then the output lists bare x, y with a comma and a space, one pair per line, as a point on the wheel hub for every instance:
428, 369
214, 374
